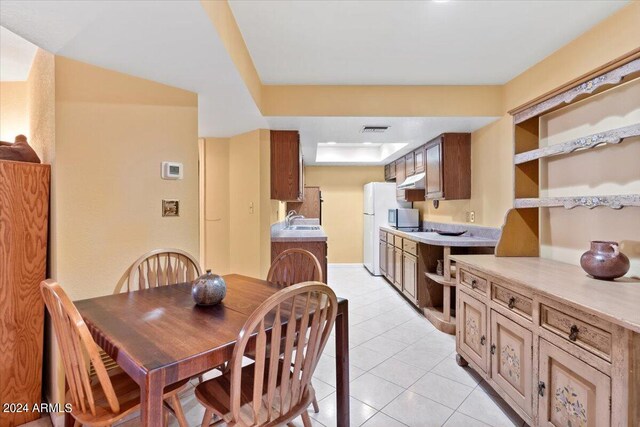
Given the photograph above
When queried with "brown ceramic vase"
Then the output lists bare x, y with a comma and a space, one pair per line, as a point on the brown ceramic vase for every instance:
604, 261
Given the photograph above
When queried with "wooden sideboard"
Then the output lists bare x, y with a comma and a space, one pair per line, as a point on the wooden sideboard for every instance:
559, 347
24, 211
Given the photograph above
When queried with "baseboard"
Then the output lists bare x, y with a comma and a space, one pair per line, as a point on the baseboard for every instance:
345, 265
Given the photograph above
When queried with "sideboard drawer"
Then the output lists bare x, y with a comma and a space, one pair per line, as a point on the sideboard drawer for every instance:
512, 300
477, 283
383, 236
586, 335
410, 246
397, 241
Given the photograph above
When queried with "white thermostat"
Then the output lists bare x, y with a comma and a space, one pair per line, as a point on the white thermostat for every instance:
172, 170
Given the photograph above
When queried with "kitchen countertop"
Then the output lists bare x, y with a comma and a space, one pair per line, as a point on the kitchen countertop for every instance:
433, 238
279, 234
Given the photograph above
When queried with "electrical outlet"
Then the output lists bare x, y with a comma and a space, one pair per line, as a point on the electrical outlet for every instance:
472, 216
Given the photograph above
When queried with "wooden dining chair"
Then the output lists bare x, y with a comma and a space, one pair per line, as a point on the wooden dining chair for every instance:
295, 266
276, 388
162, 267
109, 396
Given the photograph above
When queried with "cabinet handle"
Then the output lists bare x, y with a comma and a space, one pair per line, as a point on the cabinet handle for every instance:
541, 388
573, 333
512, 302
474, 284
483, 339
493, 349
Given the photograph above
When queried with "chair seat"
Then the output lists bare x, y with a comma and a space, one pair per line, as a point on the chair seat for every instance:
214, 394
128, 393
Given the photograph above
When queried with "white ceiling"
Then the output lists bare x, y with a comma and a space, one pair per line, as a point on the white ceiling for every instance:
171, 42
16, 56
408, 42
345, 131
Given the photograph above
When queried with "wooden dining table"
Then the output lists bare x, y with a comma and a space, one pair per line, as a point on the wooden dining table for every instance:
159, 336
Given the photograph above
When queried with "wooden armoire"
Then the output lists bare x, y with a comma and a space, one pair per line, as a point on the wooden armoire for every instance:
24, 215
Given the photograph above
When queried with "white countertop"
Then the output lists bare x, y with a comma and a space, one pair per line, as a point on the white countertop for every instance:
432, 238
279, 234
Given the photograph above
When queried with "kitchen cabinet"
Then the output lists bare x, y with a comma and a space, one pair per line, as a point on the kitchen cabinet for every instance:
386, 173
409, 164
287, 166
511, 359
471, 331
571, 393
410, 276
390, 262
397, 266
400, 176
317, 248
448, 166
419, 160
382, 253
311, 206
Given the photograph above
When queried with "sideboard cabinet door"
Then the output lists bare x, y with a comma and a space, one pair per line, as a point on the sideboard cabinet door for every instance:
511, 359
472, 334
572, 393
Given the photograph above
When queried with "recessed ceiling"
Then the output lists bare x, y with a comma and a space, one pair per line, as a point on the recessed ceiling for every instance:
350, 148
16, 56
408, 42
171, 42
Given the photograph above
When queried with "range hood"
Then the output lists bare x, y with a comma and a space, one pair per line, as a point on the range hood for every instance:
413, 182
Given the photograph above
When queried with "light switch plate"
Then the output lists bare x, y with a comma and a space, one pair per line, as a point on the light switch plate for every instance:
170, 207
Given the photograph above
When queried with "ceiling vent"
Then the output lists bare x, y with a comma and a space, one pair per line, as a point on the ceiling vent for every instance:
375, 129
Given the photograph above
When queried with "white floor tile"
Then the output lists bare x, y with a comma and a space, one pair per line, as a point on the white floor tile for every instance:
421, 357
374, 391
398, 372
415, 410
385, 346
460, 420
365, 358
382, 420
441, 390
489, 409
448, 368
359, 411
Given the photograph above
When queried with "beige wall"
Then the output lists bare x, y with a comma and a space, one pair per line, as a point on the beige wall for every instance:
342, 209
41, 105
14, 116
238, 208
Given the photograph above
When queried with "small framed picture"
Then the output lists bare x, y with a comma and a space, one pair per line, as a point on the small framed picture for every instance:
170, 207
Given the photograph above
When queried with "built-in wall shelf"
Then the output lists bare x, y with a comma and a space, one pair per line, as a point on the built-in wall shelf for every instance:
611, 201
613, 136
587, 88
440, 279
521, 230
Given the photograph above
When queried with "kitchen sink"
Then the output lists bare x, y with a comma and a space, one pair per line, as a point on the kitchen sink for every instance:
303, 227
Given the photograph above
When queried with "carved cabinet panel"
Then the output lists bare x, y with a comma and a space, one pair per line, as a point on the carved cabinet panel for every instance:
511, 359
390, 262
472, 329
410, 276
382, 254
572, 393
397, 278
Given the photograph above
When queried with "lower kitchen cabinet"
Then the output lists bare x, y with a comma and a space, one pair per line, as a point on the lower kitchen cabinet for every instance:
471, 332
571, 393
410, 276
397, 257
511, 360
317, 248
390, 259
382, 257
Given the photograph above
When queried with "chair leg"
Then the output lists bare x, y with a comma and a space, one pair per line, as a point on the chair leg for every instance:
206, 420
316, 408
178, 412
76, 423
306, 421
165, 417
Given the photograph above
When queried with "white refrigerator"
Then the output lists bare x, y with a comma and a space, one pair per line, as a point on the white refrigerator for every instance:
379, 197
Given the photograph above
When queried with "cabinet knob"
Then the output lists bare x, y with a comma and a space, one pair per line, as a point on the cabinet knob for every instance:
483, 340
512, 302
573, 333
493, 349
541, 388
474, 284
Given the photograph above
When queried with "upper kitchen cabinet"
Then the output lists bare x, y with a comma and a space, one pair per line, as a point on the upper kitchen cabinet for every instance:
409, 164
418, 157
390, 172
287, 166
448, 164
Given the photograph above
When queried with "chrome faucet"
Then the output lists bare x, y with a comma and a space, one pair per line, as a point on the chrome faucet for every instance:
290, 217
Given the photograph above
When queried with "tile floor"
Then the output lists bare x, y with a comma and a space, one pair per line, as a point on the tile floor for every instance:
403, 371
